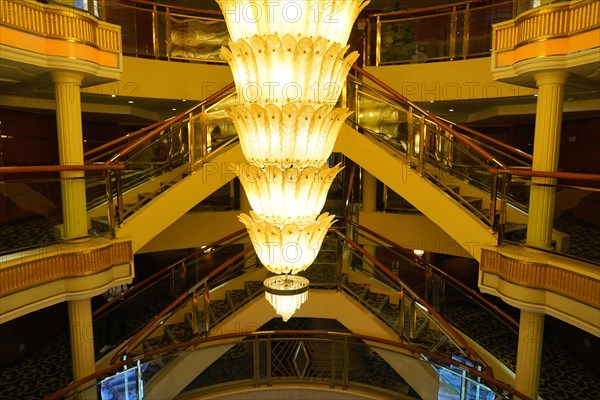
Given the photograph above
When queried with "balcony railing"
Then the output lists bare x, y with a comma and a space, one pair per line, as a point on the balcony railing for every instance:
168, 32
544, 23
450, 32
54, 22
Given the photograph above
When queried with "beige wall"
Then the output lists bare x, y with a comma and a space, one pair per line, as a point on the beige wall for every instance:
166, 80
447, 81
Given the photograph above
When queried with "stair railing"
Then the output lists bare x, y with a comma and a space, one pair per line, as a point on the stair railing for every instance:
430, 271
429, 144
147, 297
177, 145
231, 268
414, 303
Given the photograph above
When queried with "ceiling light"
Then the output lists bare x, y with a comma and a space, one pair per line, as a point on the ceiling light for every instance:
130, 101
286, 293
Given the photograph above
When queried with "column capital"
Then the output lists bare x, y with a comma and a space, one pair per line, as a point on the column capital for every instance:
550, 78
66, 77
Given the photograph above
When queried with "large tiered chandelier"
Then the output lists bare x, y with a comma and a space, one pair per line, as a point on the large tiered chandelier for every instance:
289, 64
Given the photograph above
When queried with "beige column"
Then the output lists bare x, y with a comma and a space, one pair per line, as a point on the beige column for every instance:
369, 192
244, 202
369, 204
529, 353
546, 148
70, 152
82, 340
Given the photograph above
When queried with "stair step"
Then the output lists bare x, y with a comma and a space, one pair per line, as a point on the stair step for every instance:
219, 309
179, 332
253, 288
189, 322
326, 256
321, 274
376, 301
236, 297
358, 290
476, 202
422, 326
390, 313
100, 224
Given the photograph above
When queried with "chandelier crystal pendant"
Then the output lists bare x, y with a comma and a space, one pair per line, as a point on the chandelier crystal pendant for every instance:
289, 63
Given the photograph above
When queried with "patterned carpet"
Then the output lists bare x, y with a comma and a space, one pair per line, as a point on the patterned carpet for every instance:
584, 239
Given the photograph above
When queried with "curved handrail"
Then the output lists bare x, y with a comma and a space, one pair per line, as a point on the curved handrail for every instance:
450, 330
121, 139
422, 9
23, 169
548, 174
507, 319
134, 339
496, 142
171, 7
172, 121
407, 349
133, 290
434, 118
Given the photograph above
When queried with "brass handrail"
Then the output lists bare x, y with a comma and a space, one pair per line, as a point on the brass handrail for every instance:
496, 142
403, 100
201, 343
423, 9
148, 326
23, 169
132, 291
507, 319
548, 174
449, 329
121, 139
172, 121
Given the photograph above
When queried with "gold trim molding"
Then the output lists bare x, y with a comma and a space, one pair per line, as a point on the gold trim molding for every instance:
544, 23
66, 261
54, 21
582, 288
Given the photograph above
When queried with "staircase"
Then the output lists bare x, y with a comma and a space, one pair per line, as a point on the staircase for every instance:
420, 332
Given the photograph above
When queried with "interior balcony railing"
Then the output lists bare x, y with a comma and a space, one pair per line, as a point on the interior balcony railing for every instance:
321, 359
59, 22
154, 30
164, 338
452, 31
205, 304
32, 210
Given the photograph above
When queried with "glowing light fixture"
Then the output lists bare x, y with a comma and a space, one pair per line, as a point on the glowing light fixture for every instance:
289, 64
286, 293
